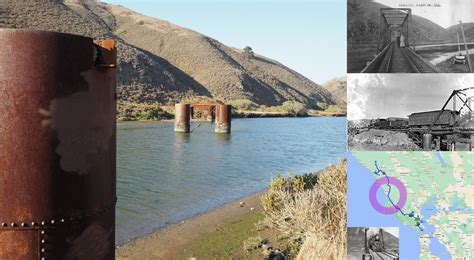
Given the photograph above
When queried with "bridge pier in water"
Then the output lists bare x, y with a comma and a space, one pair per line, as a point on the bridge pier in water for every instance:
223, 119
57, 133
182, 118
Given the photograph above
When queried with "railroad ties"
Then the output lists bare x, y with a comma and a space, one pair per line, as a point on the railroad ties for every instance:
394, 59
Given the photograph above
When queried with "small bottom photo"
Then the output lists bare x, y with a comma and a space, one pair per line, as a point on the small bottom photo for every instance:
370, 243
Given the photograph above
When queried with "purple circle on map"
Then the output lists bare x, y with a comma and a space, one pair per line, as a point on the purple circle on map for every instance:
394, 182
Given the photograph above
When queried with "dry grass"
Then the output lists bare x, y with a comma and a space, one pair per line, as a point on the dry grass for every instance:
318, 215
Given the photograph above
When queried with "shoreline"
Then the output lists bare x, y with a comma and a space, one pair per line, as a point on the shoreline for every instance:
244, 115
175, 239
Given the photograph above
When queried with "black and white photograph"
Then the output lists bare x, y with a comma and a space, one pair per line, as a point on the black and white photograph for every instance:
410, 112
410, 36
369, 243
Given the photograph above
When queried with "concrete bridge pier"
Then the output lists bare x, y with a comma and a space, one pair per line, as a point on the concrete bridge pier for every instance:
182, 118
427, 140
223, 119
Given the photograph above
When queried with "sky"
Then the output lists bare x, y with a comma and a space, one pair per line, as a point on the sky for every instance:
443, 12
308, 36
373, 96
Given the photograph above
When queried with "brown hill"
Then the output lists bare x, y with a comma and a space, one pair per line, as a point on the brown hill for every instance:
338, 89
468, 32
142, 77
161, 62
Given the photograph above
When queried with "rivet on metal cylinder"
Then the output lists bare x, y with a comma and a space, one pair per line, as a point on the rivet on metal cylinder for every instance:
57, 95
182, 118
223, 119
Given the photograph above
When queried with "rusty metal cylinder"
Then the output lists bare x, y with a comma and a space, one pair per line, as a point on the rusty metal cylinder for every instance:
427, 140
57, 146
182, 117
223, 119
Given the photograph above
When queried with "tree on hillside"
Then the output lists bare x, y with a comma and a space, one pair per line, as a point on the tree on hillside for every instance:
248, 52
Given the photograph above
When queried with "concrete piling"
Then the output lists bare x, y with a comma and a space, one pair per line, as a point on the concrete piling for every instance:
427, 140
58, 143
223, 119
182, 118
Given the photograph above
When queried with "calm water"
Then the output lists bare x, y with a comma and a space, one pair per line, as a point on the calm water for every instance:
164, 177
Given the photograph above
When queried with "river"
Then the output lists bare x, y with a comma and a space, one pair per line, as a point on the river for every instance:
164, 177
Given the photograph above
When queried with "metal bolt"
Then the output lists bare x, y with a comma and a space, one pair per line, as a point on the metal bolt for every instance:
43, 241
52, 221
4, 224
43, 223
42, 232
33, 224
23, 224
63, 220
12, 224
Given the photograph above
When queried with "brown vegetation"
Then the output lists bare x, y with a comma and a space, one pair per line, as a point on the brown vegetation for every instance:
311, 209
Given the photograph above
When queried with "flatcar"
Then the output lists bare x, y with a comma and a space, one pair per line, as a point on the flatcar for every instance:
426, 119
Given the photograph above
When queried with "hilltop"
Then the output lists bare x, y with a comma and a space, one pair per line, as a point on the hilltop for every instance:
161, 63
338, 89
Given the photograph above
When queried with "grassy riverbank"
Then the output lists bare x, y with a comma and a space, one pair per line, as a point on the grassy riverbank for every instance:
297, 217
129, 111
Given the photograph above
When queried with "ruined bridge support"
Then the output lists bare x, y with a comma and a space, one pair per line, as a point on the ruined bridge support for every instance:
182, 118
57, 146
223, 119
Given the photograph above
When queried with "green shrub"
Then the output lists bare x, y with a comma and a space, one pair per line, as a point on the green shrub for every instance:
128, 111
272, 202
294, 108
243, 104
321, 106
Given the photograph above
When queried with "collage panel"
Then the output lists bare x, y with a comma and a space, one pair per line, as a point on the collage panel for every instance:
406, 36
428, 195
373, 242
409, 112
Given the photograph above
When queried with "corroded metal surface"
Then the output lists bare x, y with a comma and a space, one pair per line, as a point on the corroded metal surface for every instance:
223, 119
182, 118
57, 146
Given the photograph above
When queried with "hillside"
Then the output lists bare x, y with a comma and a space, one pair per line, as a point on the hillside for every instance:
160, 62
338, 89
468, 31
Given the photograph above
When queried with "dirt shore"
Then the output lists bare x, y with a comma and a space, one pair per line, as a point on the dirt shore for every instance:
174, 242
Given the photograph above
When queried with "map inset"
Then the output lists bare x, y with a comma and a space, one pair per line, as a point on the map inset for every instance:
429, 195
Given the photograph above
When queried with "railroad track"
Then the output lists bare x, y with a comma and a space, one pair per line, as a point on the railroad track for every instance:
394, 59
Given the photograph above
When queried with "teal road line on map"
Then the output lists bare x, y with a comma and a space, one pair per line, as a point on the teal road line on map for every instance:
412, 215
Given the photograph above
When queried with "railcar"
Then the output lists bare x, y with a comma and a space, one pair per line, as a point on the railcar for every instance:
446, 118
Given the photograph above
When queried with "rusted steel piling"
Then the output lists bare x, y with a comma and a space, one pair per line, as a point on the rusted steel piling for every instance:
182, 118
223, 119
57, 146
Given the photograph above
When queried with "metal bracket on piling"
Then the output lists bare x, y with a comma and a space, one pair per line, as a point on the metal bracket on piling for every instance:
105, 54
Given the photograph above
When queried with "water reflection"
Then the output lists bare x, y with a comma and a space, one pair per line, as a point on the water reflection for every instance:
164, 177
